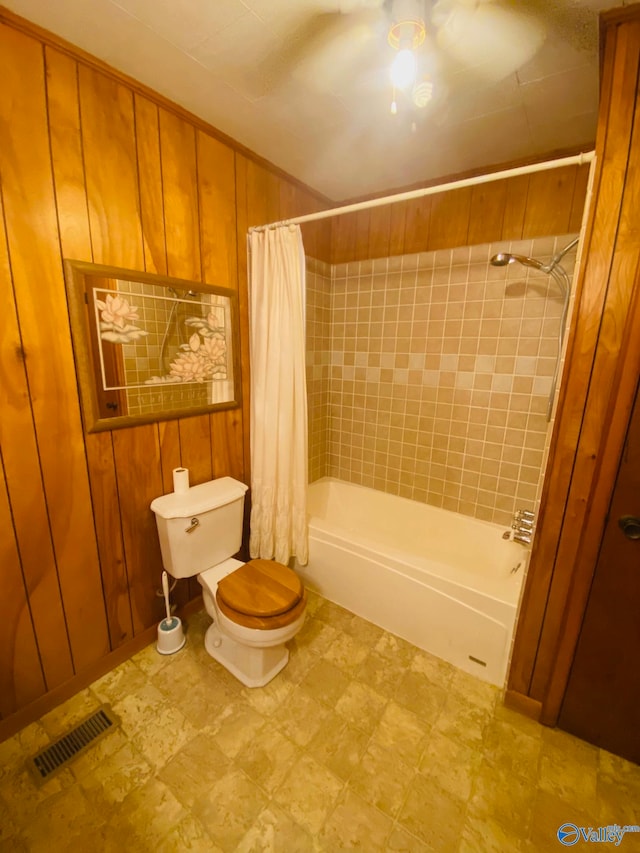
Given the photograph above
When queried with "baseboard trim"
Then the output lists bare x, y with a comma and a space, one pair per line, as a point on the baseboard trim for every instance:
523, 704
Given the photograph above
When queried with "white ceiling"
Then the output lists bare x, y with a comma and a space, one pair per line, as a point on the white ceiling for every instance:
260, 71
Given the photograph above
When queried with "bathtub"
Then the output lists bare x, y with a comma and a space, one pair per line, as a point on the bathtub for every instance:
447, 583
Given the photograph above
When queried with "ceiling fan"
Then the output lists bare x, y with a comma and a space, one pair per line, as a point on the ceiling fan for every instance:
410, 46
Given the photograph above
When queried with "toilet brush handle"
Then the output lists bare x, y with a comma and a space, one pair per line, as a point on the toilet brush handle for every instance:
165, 590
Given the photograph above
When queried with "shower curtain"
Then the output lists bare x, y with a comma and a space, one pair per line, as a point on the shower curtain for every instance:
278, 395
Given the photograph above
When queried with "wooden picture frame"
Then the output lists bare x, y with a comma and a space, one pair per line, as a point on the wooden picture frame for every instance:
150, 347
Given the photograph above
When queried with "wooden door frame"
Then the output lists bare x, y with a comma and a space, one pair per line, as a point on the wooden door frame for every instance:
600, 378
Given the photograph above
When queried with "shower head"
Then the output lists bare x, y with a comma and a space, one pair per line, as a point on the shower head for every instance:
504, 258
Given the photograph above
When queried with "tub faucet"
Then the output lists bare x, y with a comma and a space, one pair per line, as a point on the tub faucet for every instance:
524, 537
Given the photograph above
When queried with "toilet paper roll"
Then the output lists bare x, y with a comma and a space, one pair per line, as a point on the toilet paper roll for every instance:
180, 480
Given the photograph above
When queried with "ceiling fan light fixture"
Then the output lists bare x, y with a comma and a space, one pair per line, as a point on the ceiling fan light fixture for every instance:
403, 69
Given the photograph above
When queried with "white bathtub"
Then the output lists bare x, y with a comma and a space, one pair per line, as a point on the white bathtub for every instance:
443, 581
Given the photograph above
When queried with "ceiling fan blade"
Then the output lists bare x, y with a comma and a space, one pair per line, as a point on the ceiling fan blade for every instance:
490, 37
326, 49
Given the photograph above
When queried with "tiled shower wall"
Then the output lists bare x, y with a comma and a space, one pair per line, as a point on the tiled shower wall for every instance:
429, 374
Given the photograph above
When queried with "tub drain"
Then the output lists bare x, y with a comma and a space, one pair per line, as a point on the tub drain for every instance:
57, 755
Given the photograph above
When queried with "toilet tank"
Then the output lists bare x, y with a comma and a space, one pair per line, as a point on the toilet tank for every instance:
201, 527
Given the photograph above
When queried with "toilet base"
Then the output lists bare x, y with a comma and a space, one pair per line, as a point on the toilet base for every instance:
252, 666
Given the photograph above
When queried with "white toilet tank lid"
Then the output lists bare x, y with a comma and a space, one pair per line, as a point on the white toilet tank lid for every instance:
199, 499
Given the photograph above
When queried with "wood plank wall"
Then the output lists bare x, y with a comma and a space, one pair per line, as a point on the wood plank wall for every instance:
97, 169
518, 208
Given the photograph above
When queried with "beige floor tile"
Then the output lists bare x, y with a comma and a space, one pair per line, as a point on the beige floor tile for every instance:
188, 835
402, 732
503, 797
550, 812
275, 832
334, 615
402, 841
382, 779
193, 771
432, 814
309, 793
568, 769
395, 649
325, 682
366, 632
317, 635
509, 747
338, 745
228, 811
380, 673
487, 836
356, 825
361, 706
420, 695
236, 726
116, 776
63, 816
452, 764
57, 722
463, 721
346, 653
362, 742
115, 685
268, 760
438, 671
300, 717
147, 815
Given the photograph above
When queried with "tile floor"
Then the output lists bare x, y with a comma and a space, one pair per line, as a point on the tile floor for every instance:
363, 742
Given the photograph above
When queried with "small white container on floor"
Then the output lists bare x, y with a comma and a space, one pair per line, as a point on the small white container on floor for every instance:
170, 636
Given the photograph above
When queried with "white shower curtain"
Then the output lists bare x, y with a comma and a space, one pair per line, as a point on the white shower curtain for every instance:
278, 396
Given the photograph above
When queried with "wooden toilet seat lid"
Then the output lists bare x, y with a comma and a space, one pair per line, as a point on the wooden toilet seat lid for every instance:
261, 588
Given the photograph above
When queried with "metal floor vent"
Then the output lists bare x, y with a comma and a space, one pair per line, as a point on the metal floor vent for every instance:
57, 755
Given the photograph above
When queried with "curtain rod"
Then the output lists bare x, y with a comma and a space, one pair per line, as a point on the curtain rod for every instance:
577, 159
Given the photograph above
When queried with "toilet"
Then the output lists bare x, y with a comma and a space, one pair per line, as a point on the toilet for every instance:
256, 607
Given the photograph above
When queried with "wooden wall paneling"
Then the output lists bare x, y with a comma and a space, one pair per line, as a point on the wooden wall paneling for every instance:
515, 207
21, 674
169, 445
344, 238
613, 151
379, 231
150, 181
217, 198
107, 515
219, 240
66, 155
227, 444
182, 228
75, 239
397, 225
242, 220
137, 458
34, 248
109, 146
21, 677
417, 224
180, 192
579, 198
486, 217
449, 221
363, 231
600, 404
549, 202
